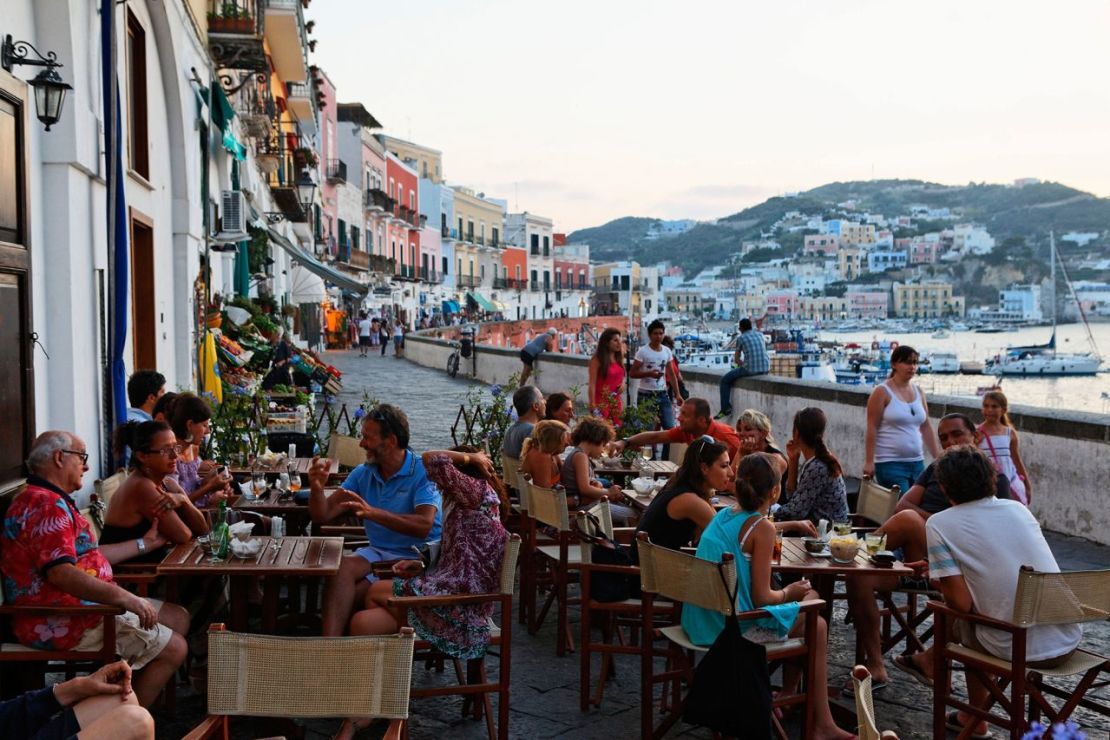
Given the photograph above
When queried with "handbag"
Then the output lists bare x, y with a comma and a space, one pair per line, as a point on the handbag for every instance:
1018, 496
731, 690
608, 587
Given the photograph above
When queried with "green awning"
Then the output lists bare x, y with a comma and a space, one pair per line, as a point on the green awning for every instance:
481, 301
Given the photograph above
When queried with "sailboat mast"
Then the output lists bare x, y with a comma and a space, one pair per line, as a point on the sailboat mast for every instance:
1079, 308
1052, 260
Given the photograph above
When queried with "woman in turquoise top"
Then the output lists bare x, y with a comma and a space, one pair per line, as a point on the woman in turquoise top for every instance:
746, 532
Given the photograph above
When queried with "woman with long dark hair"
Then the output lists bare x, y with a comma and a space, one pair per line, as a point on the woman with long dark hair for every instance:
189, 416
813, 475
898, 428
606, 384
679, 512
144, 498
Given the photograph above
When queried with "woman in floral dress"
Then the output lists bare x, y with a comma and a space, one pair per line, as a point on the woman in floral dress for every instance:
470, 561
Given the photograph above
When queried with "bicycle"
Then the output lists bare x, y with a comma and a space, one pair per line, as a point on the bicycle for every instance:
453, 359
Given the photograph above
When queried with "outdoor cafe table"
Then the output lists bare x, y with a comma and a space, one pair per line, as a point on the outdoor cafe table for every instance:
272, 503
822, 572
294, 557
641, 503
302, 465
647, 469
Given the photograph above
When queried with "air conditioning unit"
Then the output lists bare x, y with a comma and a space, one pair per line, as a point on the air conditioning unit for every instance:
233, 221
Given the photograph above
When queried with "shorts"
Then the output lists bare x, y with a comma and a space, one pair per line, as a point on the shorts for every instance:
373, 555
61, 726
398, 341
526, 358
134, 644
364, 341
901, 473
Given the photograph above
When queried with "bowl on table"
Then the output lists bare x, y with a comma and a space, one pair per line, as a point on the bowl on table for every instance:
643, 486
844, 548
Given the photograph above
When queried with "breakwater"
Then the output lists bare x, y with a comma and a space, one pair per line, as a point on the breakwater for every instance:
1067, 453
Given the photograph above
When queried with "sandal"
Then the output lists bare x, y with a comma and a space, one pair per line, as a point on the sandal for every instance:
952, 722
849, 690
905, 664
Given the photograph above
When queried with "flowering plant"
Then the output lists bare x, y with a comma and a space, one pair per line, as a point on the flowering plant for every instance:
1059, 731
485, 416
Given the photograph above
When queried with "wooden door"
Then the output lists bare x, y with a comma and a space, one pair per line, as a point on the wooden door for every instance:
144, 328
17, 405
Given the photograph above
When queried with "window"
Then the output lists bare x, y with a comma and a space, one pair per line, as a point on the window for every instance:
534, 280
459, 272
138, 141
444, 265
535, 244
482, 268
547, 246
496, 236
518, 272
558, 280
393, 249
460, 227
412, 200
354, 237
470, 230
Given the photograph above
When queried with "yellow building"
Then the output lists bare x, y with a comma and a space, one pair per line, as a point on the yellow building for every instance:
852, 234
427, 162
821, 308
480, 228
850, 262
928, 300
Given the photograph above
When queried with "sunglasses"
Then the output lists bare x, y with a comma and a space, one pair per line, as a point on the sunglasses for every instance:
169, 451
385, 420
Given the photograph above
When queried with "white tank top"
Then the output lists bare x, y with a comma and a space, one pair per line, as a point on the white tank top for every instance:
898, 438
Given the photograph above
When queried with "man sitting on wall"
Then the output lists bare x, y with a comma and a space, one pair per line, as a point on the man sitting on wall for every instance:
49, 558
750, 358
391, 493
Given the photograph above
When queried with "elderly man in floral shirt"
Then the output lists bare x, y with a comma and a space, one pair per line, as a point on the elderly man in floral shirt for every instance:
48, 557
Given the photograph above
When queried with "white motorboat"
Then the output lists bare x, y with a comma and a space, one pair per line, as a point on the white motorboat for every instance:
707, 360
943, 363
941, 334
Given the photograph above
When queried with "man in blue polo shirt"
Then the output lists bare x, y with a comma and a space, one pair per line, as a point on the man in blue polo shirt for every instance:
391, 493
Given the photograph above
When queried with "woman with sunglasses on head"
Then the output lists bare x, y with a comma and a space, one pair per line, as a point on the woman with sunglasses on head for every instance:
679, 512
814, 477
745, 532
898, 428
145, 509
189, 417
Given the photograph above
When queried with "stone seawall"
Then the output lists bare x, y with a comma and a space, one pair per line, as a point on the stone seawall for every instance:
1066, 453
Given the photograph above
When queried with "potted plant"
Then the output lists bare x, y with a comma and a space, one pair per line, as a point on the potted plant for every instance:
304, 157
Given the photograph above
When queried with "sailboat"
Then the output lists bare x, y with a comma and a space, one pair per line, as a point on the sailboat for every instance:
1043, 359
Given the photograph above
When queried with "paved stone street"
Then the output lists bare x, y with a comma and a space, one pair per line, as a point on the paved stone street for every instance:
545, 688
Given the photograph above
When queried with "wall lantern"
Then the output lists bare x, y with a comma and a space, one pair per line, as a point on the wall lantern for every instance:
306, 190
50, 89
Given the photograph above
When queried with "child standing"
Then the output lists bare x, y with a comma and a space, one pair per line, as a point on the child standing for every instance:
998, 438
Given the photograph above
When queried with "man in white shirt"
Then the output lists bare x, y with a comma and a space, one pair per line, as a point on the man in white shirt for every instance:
978, 572
363, 334
653, 366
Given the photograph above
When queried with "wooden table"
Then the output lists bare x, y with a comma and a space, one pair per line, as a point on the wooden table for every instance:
823, 571
301, 464
641, 503
296, 557
648, 469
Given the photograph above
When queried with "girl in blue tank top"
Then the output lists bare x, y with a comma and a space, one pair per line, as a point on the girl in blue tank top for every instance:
746, 532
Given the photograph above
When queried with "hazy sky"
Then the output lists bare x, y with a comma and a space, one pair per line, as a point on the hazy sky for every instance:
587, 111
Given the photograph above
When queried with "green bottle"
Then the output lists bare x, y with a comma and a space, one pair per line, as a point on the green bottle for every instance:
220, 535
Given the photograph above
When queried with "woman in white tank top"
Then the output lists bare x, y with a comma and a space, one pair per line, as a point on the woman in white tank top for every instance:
898, 427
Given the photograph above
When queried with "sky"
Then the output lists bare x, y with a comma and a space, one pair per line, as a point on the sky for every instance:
589, 111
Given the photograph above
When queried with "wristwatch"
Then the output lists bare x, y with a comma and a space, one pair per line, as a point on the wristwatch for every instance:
142, 545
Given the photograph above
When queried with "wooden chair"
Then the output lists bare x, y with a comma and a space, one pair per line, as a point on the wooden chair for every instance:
476, 682
610, 613
107, 487
865, 707
346, 450
25, 667
685, 579
548, 506
265, 676
1041, 599
874, 506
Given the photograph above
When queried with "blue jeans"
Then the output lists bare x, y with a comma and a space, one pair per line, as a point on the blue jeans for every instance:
663, 401
899, 473
726, 384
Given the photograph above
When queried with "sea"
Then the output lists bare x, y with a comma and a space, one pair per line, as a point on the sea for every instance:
1084, 393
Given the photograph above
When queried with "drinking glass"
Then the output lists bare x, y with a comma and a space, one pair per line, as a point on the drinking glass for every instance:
777, 554
646, 452
842, 528
294, 482
874, 542
258, 483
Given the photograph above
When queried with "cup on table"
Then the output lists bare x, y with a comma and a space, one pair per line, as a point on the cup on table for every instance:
842, 528
777, 554
294, 482
258, 483
874, 542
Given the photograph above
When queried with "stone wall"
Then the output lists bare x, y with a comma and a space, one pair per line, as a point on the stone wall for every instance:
1066, 453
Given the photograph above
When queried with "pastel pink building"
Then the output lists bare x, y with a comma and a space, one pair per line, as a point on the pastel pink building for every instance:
326, 232
867, 304
825, 245
923, 252
403, 232
782, 303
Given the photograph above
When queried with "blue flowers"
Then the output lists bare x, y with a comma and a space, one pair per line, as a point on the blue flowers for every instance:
495, 390
359, 413
1058, 731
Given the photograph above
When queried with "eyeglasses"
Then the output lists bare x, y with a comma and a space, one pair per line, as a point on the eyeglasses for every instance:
170, 451
83, 455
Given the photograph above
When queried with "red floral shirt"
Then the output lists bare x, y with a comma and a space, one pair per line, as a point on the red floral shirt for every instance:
43, 528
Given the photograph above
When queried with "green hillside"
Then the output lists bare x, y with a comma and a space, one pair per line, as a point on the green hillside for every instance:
1028, 213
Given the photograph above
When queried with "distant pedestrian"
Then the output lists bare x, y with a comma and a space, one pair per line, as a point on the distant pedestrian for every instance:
652, 365
530, 352
398, 339
750, 358
365, 325
383, 335
606, 382
375, 333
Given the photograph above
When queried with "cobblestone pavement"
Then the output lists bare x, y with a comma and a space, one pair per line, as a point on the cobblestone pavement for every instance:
544, 699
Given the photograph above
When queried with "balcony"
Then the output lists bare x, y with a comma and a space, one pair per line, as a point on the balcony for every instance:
381, 263
337, 171
235, 35
256, 108
301, 102
469, 281
430, 276
446, 232
480, 240
282, 180
510, 284
287, 39
377, 201
534, 287
359, 259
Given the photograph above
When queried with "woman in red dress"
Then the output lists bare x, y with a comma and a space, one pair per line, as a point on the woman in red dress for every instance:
607, 376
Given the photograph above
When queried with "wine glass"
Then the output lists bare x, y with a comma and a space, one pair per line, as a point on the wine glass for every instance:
646, 452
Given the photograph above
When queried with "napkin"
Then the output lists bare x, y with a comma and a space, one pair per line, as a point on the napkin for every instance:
245, 548
240, 530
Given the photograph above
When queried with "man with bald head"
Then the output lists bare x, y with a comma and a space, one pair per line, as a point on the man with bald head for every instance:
49, 557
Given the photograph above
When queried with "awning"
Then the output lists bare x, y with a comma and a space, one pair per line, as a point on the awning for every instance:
450, 307
481, 301
310, 263
305, 286
501, 306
